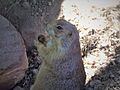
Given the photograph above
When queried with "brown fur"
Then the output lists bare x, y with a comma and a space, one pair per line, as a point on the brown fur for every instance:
62, 67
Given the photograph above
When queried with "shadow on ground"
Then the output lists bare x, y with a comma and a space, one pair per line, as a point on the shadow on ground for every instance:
108, 78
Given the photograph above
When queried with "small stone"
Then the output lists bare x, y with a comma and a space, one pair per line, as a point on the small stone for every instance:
26, 4
95, 82
35, 71
118, 72
18, 88
112, 76
90, 89
49, 3
34, 1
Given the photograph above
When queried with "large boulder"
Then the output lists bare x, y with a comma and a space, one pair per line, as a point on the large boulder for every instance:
30, 16
13, 59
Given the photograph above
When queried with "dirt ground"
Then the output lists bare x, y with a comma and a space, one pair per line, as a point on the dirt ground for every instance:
99, 25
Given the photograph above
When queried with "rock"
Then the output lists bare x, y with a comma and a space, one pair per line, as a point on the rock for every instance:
13, 59
33, 25
35, 71
18, 88
95, 82
30, 16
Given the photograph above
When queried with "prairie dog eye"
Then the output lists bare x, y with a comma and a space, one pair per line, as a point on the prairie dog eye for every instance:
59, 27
70, 34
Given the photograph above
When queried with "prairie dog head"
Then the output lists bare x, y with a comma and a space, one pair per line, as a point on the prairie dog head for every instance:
61, 37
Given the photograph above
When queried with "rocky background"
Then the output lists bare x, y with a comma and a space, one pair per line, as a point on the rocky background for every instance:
98, 22
21, 22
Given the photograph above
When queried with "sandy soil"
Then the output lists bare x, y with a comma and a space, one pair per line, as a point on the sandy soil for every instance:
98, 22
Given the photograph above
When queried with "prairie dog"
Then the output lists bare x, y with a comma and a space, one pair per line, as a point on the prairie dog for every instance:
62, 66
